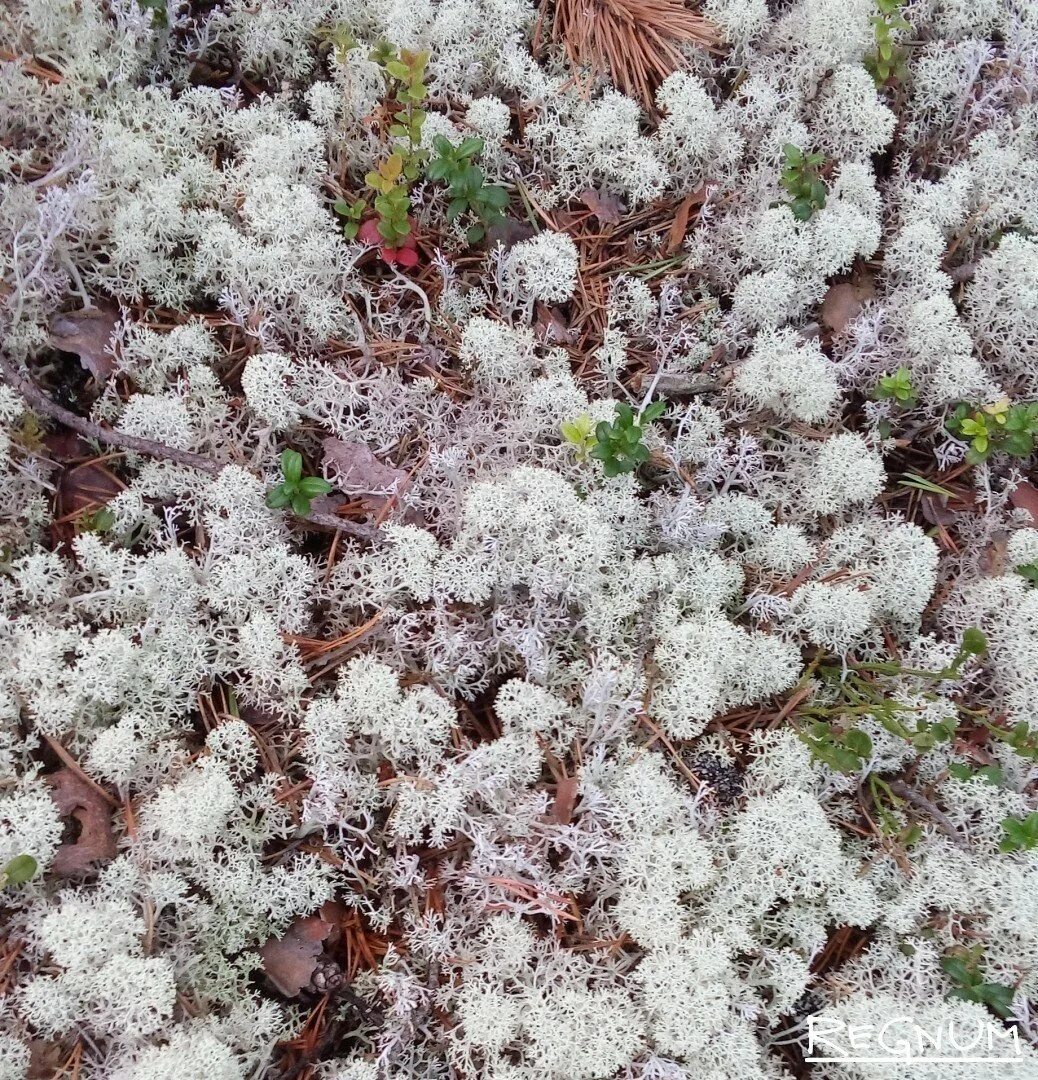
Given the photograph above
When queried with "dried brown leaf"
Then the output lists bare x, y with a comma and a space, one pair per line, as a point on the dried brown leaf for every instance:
607, 208
87, 333
508, 233
843, 302
1025, 497
565, 799
76, 799
679, 226
289, 961
550, 327
993, 558
355, 470
935, 509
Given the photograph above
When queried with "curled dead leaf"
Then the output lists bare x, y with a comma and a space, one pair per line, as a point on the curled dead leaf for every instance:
77, 800
679, 226
290, 961
88, 333
607, 208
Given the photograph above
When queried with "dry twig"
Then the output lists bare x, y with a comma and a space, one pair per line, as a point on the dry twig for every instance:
42, 404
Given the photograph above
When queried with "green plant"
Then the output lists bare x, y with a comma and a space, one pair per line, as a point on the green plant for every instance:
1020, 737
338, 38
801, 180
897, 387
353, 212
159, 12
392, 201
963, 967
18, 871
619, 445
579, 434
998, 427
296, 490
1021, 834
404, 74
854, 692
1028, 571
990, 774
100, 520
466, 185
887, 60
843, 751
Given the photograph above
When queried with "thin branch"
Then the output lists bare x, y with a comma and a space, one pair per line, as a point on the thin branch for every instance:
42, 404
921, 802
89, 430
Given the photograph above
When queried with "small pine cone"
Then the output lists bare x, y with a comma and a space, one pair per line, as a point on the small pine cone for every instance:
327, 977
725, 781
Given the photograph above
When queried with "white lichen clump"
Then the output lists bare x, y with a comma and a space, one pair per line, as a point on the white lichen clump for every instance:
381, 697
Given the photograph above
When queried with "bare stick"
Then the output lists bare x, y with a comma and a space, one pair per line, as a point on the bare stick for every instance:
921, 802
89, 430
39, 401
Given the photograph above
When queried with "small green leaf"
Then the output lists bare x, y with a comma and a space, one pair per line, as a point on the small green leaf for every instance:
495, 197
20, 869
654, 411
956, 969
300, 505
974, 643
998, 998
312, 486
470, 146
858, 742
279, 497
793, 154
291, 465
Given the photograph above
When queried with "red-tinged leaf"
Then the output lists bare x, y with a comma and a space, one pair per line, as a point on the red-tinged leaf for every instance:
368, 233
356, 471
565, 799
607, 208
407, 256
289, 961
75, 798
88, 333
